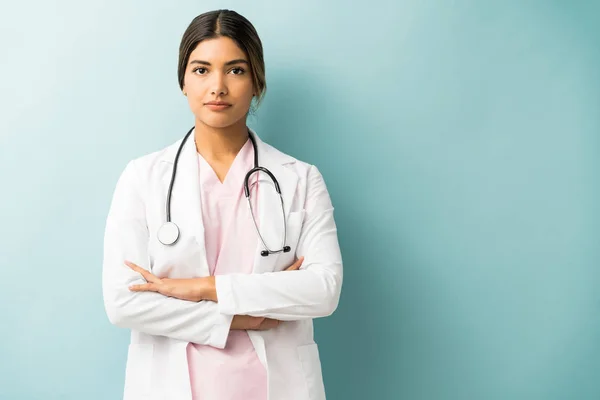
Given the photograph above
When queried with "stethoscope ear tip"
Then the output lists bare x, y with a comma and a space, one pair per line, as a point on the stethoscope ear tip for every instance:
286, 249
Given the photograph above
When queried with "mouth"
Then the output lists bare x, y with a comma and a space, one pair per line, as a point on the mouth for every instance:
218, 105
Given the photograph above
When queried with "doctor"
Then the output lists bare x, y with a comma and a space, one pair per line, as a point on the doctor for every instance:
216, 274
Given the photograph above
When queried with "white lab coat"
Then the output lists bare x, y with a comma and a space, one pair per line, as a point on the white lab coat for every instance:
161, 326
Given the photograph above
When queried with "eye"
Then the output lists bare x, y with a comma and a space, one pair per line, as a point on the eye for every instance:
199, 70
238, 70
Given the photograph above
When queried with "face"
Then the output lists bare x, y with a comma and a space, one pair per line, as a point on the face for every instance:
218, 83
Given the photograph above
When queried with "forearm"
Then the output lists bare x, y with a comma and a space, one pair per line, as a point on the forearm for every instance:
309, 293
154, 314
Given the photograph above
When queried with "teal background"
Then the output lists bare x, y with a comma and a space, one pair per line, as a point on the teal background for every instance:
459, 140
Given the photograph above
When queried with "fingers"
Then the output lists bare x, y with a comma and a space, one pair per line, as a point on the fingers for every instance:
246, 322
269, 323
145, 287
255, 322
145, 274
295, 266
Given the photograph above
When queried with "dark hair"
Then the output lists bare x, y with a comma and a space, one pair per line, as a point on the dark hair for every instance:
214, 24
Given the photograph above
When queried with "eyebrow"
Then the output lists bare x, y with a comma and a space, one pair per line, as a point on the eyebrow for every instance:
232, 62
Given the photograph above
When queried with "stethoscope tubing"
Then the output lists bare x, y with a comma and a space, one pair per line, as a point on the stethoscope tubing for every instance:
169, 232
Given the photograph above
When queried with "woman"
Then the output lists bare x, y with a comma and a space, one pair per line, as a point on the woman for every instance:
215, 313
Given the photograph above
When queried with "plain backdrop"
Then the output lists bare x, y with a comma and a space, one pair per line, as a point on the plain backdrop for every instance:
459, 140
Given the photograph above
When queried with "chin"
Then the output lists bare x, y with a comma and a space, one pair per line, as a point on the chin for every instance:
220, 121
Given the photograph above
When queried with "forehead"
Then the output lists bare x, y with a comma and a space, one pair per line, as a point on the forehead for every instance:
217, 50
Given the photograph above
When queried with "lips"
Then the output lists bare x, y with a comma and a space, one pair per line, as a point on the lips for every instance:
217, 105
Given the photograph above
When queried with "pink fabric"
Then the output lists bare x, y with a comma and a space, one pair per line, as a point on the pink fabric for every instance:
234, 372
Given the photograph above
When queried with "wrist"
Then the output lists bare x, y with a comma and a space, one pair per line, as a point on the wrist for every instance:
207, 288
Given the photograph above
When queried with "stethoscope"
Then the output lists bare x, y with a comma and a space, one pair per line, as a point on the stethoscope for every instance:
168, 234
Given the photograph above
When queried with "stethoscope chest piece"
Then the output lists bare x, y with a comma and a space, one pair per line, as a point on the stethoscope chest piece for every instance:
168, 233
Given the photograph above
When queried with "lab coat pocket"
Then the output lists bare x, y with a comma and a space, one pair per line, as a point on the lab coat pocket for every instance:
311, 365
138, 372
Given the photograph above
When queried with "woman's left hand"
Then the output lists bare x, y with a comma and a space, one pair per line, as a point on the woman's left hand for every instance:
184, 289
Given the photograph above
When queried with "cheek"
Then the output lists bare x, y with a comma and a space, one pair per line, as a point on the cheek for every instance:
241, 88
194, 87
195, 102
244, 100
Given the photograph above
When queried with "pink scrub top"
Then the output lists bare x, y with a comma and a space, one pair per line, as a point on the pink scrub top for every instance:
234, 372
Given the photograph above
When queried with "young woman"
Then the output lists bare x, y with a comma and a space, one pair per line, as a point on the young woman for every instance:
219, 267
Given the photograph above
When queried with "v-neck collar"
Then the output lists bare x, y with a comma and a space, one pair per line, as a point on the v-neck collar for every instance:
234, 179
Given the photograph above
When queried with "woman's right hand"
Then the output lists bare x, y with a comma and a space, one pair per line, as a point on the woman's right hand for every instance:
246, 322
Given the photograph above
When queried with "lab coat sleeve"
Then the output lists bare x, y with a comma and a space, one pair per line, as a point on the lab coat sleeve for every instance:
126, 238
311, 292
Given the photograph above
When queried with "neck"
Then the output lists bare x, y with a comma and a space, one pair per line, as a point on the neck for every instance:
220, 144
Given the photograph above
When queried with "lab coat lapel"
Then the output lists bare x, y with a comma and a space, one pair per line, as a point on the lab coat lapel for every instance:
186, 209
269, 205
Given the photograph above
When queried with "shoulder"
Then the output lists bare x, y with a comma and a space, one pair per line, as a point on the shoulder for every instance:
306, 171
311, 188
149, 160
143, 166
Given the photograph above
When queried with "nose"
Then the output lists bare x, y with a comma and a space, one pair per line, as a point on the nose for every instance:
219, 87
